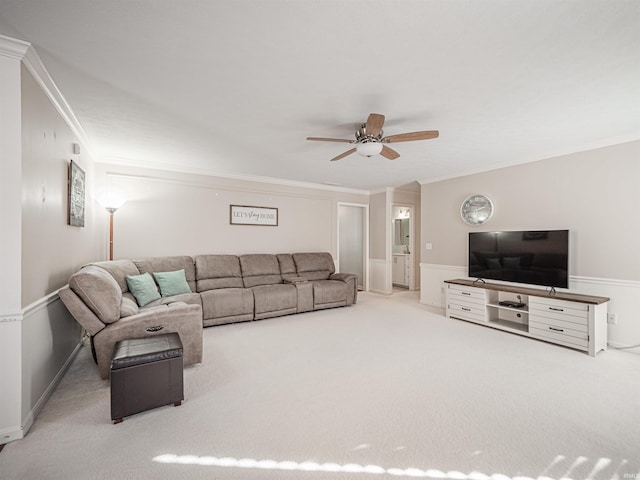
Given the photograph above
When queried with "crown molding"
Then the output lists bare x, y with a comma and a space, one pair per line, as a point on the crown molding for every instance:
34, 64
25, 52
607, 142
13, 48
233, 176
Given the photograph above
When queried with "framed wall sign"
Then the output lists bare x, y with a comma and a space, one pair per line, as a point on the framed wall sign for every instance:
248, 215
76, 183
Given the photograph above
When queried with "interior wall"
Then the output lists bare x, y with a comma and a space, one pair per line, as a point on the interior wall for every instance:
380, 242
168, 213
51, 249
594, 194
378, 218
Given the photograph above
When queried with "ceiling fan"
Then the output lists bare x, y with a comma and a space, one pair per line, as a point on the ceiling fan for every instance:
369, 140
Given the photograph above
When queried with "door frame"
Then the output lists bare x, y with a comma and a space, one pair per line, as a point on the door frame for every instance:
365, 262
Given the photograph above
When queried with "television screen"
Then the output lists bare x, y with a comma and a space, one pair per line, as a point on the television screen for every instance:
534, 257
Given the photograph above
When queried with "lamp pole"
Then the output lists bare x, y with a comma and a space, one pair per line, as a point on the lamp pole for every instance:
111, 211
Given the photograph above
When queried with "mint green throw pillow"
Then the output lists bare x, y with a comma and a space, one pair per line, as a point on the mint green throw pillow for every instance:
143, 288
172, 283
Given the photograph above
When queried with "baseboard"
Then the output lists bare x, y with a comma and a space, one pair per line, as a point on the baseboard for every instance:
380, 292
16, 433
618, 345
52, 386
10, 434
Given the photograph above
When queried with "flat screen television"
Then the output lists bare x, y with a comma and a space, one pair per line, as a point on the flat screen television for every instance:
532, 257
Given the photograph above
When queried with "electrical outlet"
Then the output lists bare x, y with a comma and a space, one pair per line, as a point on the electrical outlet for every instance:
612, 318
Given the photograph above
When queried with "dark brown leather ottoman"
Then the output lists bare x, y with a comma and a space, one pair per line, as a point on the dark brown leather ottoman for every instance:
146, 373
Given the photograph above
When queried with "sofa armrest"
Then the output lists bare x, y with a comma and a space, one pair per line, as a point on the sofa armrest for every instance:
178, 317
352, 284
344, 277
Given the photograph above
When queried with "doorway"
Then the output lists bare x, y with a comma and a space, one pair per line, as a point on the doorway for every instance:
403, 245
353, 241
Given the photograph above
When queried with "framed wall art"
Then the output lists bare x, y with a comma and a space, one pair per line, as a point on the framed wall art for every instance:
76, 183
248, 215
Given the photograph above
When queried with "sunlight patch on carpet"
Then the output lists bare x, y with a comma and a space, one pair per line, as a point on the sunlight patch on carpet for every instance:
288, 465
231, 462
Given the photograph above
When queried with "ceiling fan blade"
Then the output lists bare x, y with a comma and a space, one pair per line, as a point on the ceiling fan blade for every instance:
342, 155
319, 139
389, 153
409, 137
374, 124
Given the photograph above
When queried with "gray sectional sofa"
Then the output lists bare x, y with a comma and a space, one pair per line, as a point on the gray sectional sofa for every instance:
216, 290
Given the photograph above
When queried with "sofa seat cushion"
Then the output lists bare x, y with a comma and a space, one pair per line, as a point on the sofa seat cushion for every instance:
217, 271
188, 298
227, 303
99, 291
329, 293
275, 298
259, 269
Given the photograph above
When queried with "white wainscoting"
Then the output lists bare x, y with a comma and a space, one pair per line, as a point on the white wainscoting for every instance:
432, 279
380, 271
10, 343
51, 338
624, 296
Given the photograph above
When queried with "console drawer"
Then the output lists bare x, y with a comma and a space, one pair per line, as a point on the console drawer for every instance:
565, 337
466, 302
559, 309
466, 294
467, 311
558, 325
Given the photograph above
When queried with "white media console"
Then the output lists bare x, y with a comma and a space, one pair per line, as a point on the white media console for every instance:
569, 319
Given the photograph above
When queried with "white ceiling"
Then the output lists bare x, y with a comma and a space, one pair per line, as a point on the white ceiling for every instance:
235, 87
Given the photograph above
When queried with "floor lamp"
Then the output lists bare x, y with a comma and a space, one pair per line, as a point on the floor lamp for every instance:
111, 211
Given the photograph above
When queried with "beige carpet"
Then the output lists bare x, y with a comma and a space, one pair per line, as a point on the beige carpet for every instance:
385, 389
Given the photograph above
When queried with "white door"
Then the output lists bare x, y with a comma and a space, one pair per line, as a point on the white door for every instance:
353, 240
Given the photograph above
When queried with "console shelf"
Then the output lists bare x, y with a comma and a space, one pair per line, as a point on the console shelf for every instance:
507, 325
569, 319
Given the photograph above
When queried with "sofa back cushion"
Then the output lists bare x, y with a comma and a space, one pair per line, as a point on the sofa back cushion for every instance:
314, 266
119, 269
80, 311
287, 266
153, 265
260, 269
217, 271
99, 291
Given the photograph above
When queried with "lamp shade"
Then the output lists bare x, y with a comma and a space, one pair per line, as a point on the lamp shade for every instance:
369, 149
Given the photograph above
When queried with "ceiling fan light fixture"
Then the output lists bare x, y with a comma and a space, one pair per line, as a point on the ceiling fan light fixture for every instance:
369, 149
